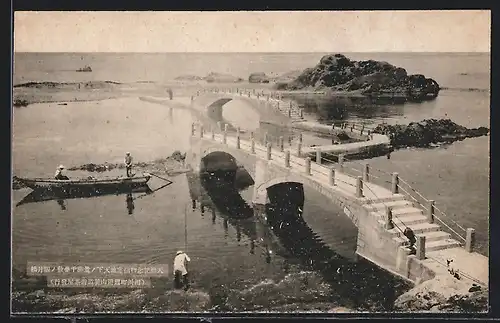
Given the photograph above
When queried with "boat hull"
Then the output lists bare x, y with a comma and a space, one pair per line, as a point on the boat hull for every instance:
98, 185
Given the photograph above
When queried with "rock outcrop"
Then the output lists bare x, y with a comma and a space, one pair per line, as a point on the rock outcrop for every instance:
444, 294
189, 78
222, 78
428, 132
258, 78
368, 78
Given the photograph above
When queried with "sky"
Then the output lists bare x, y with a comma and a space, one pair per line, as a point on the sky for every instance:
253, 31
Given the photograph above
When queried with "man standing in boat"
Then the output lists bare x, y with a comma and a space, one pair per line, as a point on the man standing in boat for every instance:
59, 173
128, 164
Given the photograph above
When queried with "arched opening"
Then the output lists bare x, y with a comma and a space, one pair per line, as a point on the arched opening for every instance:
223, 179
235, 113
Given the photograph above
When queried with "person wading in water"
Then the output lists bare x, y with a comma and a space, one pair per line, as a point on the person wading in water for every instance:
128, 164
180, 270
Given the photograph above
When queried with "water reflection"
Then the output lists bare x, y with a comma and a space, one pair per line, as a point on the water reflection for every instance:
42, 195
62, 204
339, 108
130, 203
360, 283
223, 197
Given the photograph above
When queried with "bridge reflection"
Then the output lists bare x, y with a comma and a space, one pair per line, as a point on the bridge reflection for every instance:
223, 199
356, 280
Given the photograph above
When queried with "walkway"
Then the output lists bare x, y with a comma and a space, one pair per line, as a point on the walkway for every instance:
395, 208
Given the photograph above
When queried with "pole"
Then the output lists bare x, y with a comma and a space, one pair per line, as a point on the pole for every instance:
185, 229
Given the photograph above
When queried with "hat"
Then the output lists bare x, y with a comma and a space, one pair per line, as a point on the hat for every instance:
127, 153
61, 167
179, 252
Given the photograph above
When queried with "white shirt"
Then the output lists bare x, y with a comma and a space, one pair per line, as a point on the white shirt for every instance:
58, 172
180, 263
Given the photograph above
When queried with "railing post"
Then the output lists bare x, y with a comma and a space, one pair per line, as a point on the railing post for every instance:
395, 183
366, 172
308, 166
266, 139
299, 149
388, 218
430, 211
362, 129
359, 186
289, 113
224, 138
213, 132
331, 176
269, 151
300, 137
280, 143
201, 131
301, 113
238, 138
352, 128
470, 239
420, 247
341, 163
287, 158
318, 156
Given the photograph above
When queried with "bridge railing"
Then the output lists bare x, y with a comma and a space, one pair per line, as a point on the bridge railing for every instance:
386, 179
273, 99
334, 173
321, 166
382, 178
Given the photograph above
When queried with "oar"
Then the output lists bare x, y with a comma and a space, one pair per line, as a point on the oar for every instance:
159, 188
163, 178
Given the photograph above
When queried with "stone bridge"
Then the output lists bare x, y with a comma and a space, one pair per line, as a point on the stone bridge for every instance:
381, 214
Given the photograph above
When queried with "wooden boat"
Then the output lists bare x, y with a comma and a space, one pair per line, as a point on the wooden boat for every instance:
92, 184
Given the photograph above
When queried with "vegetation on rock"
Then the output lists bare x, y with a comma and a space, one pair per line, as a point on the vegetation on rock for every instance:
369, 78
427, 132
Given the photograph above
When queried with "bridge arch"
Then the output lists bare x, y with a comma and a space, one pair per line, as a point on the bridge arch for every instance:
261, 193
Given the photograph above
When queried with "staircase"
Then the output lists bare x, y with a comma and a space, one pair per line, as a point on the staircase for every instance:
405, 214
284, 107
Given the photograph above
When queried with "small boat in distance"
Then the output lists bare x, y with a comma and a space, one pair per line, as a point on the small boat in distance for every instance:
93, 184
85, 69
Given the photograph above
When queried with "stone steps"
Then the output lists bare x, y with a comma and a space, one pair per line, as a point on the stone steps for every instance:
393, 204
420, 228
441, 244
406, 211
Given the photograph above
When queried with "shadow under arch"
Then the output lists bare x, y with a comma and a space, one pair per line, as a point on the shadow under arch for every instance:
356, 284
222, 179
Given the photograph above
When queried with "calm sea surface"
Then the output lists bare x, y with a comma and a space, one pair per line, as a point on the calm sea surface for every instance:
224, 251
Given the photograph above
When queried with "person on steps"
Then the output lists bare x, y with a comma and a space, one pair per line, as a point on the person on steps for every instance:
128, 164
59, 173
180, 270
411, 239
